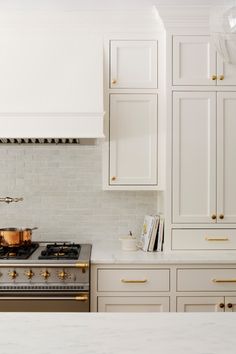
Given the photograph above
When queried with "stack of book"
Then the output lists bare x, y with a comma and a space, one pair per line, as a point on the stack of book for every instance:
152, 236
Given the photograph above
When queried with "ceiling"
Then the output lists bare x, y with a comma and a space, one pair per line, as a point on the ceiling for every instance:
71, 5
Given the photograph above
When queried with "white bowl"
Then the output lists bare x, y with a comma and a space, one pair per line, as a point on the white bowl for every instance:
129, 243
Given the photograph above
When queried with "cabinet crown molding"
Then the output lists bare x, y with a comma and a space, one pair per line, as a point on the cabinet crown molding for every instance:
184, 16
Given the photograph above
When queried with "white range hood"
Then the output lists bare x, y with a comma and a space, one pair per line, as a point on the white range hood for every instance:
51, 77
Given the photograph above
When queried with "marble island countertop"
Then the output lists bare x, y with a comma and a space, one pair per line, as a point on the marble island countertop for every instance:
123, 333
110, 252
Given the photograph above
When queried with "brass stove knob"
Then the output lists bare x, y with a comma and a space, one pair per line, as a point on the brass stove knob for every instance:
13, 274
29, 274
63, 275
45, 274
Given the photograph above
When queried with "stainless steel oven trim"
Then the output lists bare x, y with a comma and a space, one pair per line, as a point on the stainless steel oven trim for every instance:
81, 297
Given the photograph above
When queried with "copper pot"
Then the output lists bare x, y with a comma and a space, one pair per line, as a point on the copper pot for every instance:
14, 237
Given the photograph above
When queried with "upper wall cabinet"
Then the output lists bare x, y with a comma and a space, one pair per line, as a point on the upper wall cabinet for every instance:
133, 64
133, 139
196, 62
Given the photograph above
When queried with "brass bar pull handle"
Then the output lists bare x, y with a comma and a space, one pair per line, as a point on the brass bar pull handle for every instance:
82, 265
81, 298
233, 280
216, 238
141, 281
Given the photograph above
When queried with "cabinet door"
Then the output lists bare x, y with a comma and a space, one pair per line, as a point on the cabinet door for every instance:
194, 60
226, 157
133, 64
133, 139
226, 72
133, 304
194, 157
230, 304
200, 304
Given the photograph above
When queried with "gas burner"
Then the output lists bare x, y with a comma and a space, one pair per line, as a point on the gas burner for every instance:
61, 251
22, 252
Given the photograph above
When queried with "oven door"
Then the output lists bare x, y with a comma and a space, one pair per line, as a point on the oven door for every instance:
42, 302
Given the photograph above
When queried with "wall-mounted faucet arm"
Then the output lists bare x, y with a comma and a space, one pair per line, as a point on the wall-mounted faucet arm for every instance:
10, 200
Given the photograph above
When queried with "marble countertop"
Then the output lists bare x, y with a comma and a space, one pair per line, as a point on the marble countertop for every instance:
120, 333
110, 252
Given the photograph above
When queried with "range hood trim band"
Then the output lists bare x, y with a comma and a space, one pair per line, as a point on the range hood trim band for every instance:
64, 125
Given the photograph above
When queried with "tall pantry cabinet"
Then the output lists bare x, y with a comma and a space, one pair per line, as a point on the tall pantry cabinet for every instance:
203, 188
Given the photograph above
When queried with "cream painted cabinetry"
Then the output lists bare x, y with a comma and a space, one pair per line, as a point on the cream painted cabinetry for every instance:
200, 304
131, 148
129, 289
196, 62
133, 64
206, 304
204, 145
133, 304
206, 289
133, 139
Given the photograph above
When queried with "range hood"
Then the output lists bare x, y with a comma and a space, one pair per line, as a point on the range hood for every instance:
51, 72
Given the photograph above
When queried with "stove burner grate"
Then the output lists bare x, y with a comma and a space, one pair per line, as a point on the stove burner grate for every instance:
61, 251
21, 252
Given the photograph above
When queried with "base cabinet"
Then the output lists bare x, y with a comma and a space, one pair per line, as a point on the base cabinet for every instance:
166, 287
133, 304
206, 304
200, 304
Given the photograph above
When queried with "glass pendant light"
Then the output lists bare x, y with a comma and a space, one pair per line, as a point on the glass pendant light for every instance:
223, 31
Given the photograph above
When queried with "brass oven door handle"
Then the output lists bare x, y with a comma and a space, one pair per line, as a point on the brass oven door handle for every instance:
82, 298
233, 280
216, 238
130, 281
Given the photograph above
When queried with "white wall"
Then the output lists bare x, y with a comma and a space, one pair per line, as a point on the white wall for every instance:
62, 190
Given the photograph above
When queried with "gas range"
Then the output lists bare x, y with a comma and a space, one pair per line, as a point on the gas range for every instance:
58, 273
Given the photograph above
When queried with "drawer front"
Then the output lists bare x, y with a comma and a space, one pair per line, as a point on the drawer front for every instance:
133, 280
204, 239
206, 279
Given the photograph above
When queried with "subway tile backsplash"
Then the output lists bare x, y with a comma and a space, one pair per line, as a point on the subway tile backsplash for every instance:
63, 196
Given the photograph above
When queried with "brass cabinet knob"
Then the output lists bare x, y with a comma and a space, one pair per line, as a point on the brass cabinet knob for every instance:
45, 274
221, 305
29, 274
213, 216
113, 178
113, 81
214, 77
63, 275
229, 305
13, 274
221, 216
221, 77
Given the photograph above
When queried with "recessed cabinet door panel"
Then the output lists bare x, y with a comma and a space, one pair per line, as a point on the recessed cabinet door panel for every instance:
194, 60
133, 304
194, 157
226, 72
226, 157
133, 64
200, 304
133, 139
